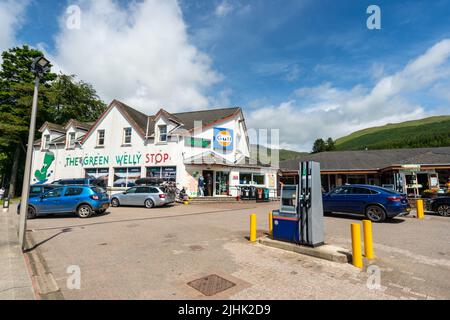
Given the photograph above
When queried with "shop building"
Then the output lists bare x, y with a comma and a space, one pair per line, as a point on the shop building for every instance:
412, 171
209, 147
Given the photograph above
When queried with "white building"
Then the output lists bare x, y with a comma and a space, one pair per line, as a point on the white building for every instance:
125, 144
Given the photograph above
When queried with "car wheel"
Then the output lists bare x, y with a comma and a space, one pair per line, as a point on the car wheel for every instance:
84, 211
31, 213
444, 210
115, 202
149, 203
375, 214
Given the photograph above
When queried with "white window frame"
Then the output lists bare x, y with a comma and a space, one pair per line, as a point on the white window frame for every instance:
124, 138
159, 134
98, 137
71, 142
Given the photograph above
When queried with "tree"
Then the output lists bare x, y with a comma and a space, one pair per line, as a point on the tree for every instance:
330, 145
61, 98
16, 90
319, 146
71, 99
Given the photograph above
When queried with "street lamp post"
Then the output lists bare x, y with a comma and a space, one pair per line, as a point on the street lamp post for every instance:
39, 67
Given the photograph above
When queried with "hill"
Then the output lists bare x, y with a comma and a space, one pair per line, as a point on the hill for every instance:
428, 132
283, 153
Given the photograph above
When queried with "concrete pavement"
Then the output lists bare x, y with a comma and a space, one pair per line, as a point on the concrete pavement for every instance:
15, 281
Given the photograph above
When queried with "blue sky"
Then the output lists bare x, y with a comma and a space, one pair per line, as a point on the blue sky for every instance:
286, 59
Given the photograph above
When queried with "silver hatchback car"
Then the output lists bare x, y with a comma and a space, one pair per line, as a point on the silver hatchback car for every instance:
148, 197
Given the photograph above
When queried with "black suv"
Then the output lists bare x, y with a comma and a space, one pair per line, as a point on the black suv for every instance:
441, 205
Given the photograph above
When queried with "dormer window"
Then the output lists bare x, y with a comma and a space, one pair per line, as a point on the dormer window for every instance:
162, 133
71, 140
127, 136
100, 138
46, 144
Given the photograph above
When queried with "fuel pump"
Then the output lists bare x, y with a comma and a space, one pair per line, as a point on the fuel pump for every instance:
300, 217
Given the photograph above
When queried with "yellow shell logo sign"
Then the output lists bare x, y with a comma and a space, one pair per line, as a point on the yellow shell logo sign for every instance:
224, 138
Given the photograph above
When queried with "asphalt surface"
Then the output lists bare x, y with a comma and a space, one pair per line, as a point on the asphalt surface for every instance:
137, 253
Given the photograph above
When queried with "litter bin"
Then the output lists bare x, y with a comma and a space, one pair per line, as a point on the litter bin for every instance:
262, 194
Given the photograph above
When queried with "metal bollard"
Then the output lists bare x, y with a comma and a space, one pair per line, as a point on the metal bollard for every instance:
270, 223
356, 245
420, 209
368, 241
253, 227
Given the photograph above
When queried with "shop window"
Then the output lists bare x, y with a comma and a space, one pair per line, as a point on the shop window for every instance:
71, 140
46, 144
166, 173
127, 136
251, 178
356, 179
100, 138
126, 177
101, 175
162, 133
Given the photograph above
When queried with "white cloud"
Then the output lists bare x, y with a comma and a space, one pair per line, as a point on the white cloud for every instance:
11, 18
223, 8
325, 110
139, 54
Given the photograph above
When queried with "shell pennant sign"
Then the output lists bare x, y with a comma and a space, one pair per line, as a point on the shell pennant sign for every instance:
223, 139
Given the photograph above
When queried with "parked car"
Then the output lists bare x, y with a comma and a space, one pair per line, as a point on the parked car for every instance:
37, 190
82, 181
441, 205
82, 200
147, 196
376, 203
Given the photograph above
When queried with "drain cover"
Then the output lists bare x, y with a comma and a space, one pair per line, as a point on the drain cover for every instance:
211, 285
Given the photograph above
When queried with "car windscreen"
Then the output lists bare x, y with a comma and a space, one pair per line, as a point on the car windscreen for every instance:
98, 190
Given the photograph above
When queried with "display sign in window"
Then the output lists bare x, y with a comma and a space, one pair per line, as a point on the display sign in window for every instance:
166, 173
98, 174
126, 177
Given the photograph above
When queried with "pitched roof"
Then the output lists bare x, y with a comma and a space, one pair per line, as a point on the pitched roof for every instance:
52, 126
78, 124
207, 117
371, 159
134, 116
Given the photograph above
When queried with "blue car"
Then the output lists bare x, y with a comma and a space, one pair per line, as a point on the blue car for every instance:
376, 203
82, 200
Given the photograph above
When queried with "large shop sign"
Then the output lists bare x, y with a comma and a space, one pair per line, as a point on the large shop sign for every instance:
119, 160
223, 139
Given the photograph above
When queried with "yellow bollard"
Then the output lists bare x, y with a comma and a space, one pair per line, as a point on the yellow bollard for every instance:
270, 223
253, 227
356, 245
419, 208
368, 243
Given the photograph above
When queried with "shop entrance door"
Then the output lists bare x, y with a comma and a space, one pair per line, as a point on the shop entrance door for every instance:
222, 183
208, 176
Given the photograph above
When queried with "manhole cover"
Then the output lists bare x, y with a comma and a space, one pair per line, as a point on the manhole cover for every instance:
211, 285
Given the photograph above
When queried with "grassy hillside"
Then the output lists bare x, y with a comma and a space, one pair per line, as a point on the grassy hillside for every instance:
283, 153
428, 132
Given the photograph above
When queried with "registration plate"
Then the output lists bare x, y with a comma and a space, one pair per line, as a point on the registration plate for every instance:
408, 209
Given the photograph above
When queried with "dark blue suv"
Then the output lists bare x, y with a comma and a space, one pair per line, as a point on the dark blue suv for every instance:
376, 203
82, 200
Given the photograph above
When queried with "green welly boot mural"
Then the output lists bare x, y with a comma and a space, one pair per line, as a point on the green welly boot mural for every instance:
42, 174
